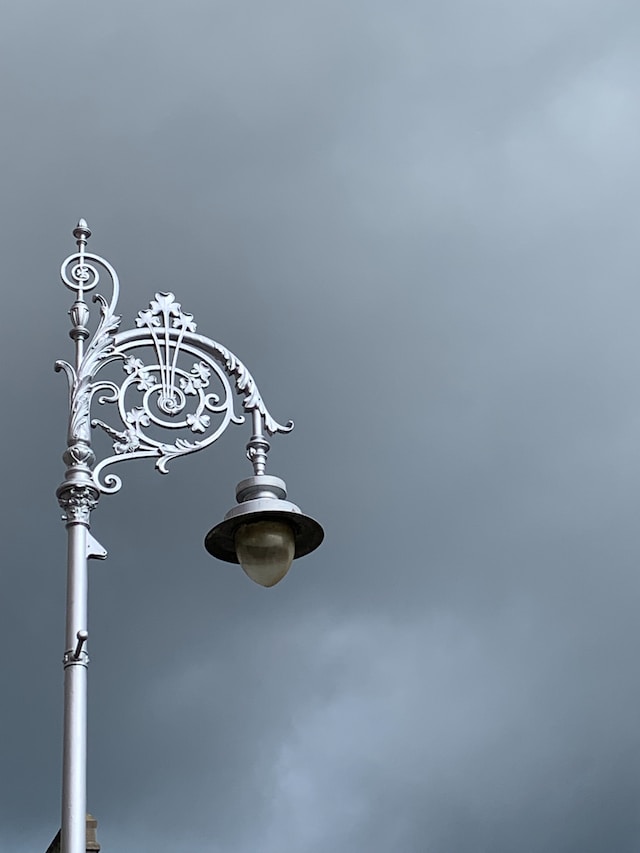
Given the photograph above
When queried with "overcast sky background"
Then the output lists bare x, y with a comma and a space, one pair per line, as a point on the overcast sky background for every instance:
417, 223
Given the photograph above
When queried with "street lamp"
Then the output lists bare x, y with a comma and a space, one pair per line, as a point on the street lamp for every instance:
188, 384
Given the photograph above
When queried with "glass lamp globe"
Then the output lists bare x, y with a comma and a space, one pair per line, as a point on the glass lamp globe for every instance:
265, 550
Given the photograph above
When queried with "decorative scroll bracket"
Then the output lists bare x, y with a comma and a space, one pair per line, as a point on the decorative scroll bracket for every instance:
174, 381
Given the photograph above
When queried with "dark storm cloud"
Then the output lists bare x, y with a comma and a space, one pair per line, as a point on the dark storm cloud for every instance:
416, 223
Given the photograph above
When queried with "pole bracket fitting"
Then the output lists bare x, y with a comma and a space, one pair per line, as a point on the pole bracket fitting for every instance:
77, 655
95, 551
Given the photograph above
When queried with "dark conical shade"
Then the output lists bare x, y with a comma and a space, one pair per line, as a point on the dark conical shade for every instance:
307, 533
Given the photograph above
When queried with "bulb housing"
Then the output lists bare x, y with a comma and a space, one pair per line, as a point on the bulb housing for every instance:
265, 550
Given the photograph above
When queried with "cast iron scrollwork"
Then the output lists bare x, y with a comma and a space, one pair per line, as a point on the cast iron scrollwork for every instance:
174, 380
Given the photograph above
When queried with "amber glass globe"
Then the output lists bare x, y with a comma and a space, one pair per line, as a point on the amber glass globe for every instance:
265, 550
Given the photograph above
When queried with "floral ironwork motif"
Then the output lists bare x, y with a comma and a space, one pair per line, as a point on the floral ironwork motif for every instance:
174, 379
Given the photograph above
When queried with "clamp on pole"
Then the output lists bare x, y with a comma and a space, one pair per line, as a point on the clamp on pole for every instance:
77, 655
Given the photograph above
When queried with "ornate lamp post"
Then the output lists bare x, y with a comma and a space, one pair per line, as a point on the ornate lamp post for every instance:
186, 384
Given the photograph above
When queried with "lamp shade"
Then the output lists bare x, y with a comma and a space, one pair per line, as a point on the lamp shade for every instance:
263, 532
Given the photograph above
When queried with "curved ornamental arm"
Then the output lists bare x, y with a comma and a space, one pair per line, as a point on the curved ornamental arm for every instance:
176, 395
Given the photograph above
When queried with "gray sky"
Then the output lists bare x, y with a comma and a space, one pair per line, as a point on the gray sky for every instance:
416, 223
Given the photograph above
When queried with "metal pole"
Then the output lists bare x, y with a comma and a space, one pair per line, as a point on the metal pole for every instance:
77, 496
74, 761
